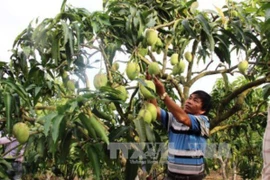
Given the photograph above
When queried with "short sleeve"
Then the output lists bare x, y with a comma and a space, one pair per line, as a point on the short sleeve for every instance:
164, 118
200, 124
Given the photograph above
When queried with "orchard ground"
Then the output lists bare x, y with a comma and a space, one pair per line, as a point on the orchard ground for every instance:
214, 175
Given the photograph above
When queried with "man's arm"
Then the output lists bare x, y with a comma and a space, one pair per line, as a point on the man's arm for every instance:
178, 113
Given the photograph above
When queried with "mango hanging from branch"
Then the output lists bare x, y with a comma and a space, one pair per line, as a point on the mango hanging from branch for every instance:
188, 56
174, 59
152, 109
151, 37
115, 66
123, 92
21, 132
145, 115
146, 89
179, 68
153, 68
132, 70
100, 80
242, 66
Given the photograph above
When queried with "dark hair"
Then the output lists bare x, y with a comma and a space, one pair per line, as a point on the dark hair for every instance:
206, 100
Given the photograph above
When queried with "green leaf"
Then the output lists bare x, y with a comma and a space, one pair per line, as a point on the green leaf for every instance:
99, 113
233, 38
68, 53
70, 40
18, 38
94, 159
255, 40
187, 27
87, 124
65, 31
18, 89
131, 169
110, 51
55, 47
65, 145
48, 121
140, 128
56, 121
63, 5
27, 51
204, 23
118, 132
238, 30
266, 91
4, 162
211, 42
149, 133
78, 34
266, 7
8, 103
176, 24
223, 53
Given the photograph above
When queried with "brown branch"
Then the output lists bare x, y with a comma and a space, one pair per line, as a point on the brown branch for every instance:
165, 24
3, 119
165, 58
178, 89
207, 73
64, 63
30, 119
242, 89
144, 59
176, 85
90, 47
51, 108
152, 56
237, 106
106, 63
226, 115
87, 81
203, 72
220, 128
190, 65
130, 106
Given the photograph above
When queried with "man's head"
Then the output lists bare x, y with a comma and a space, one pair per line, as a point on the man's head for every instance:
199, 102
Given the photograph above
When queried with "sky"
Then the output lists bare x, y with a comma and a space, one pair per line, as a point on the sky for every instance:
15, 16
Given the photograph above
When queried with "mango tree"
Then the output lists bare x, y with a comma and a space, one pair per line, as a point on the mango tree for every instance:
239, 138
46, 82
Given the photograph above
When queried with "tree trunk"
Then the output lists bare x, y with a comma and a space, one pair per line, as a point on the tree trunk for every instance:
234, 171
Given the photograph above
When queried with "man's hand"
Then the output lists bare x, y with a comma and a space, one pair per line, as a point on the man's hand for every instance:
148, 76
159, 86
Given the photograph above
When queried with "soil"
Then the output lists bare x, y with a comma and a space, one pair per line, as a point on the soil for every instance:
214, 175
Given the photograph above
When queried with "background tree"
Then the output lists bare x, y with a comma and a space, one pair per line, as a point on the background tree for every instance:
243, 133
72, 124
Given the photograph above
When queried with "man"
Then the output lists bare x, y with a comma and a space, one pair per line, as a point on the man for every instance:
266, 149
188, 129
13, 152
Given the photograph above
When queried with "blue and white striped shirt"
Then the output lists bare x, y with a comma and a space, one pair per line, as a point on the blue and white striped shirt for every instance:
186, 144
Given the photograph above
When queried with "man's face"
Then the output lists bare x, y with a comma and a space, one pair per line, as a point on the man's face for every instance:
193, 105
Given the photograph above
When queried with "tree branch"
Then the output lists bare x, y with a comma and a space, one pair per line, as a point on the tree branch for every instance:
165, 24
242, 89
207, 73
